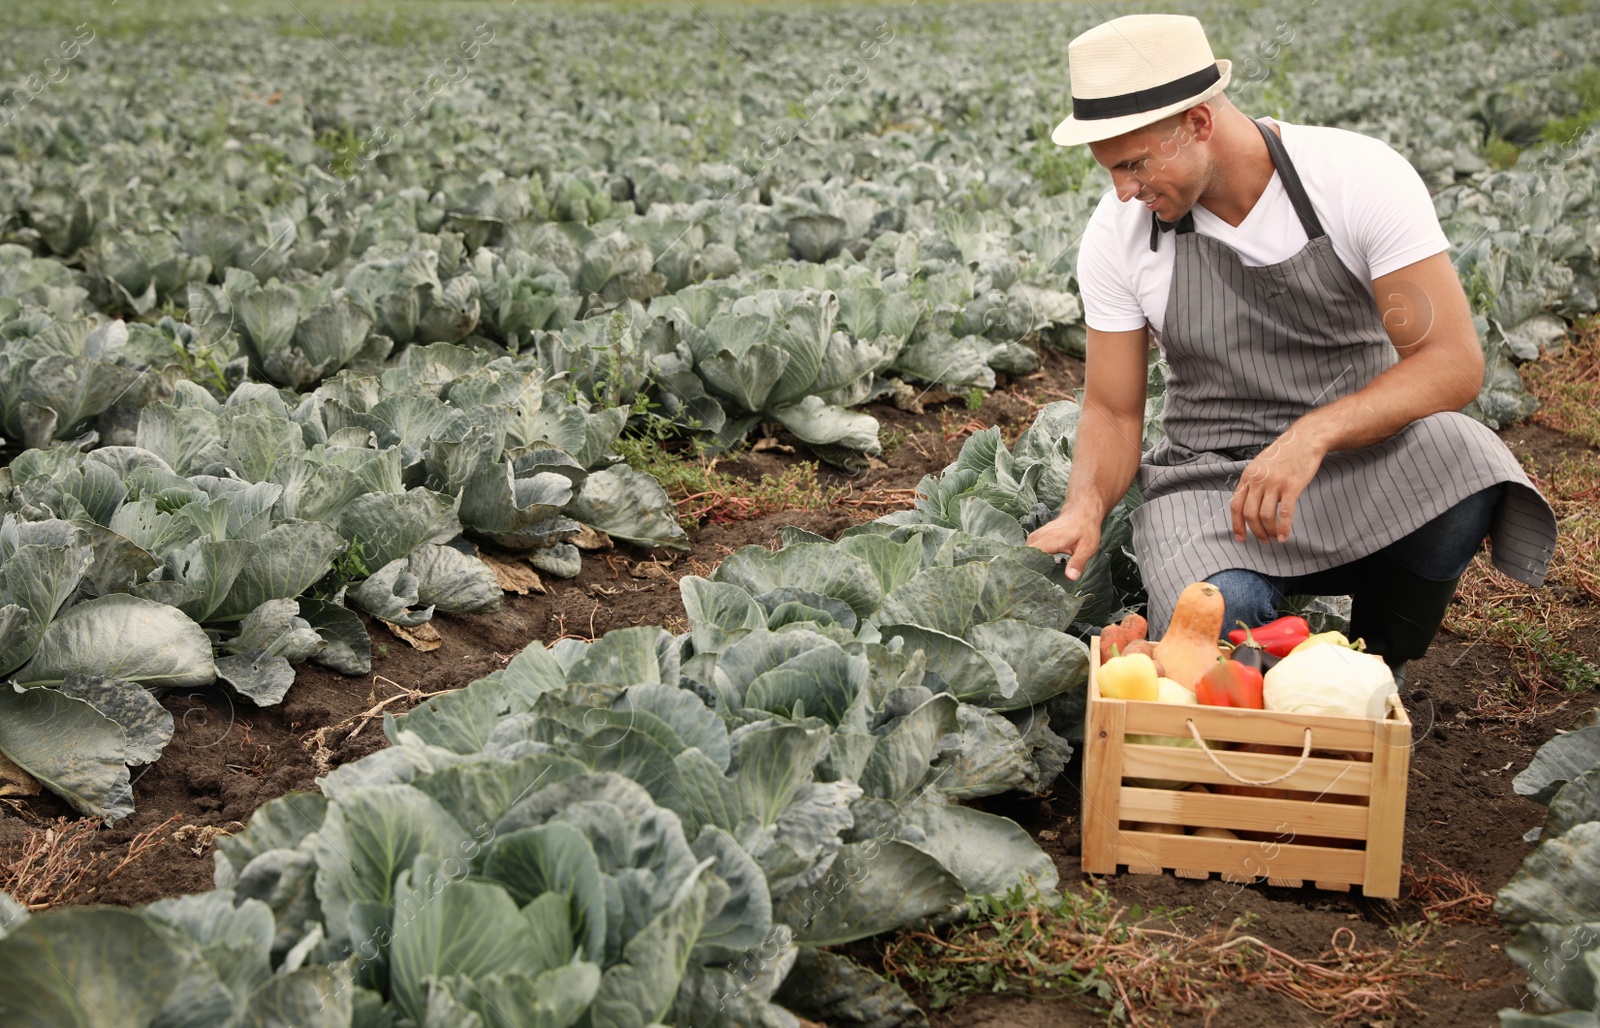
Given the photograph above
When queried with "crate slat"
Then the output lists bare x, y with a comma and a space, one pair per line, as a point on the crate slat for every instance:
1247, 813
1391, 761
1226, 724
1319, 775
1102, 783
1253, 859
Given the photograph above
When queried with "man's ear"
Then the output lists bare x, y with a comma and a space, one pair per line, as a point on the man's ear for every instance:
1200, 122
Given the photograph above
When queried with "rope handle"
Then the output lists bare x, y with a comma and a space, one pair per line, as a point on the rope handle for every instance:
1305, 754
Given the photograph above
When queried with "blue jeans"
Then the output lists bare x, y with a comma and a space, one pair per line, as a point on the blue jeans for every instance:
1399, 592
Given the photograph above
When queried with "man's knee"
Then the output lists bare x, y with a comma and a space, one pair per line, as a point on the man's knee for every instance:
1240, 582
1247, 596
1398, 611
1441, 549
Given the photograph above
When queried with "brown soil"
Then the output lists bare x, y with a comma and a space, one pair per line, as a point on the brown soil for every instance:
228, 758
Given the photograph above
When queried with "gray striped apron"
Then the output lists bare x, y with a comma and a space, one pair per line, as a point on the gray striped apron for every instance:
1250, 349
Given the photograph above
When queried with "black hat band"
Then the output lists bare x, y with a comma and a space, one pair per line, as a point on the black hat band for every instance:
1139, 101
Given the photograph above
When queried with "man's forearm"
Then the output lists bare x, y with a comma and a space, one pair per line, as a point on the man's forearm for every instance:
1105, 458
1424, 384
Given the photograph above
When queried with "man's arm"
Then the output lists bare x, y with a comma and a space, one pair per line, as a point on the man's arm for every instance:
1105, 456
1441, 363
1429, 321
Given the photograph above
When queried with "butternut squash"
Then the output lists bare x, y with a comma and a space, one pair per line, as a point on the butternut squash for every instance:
1189, 646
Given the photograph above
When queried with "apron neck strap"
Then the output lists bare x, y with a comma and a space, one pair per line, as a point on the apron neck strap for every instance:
1157, 226
1291, 185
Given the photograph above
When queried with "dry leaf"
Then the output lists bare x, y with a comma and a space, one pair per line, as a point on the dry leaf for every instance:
14, 781
651, 569
769, 443
199, 838
424, 637
591, 539
874, 464
908, 397
516, 578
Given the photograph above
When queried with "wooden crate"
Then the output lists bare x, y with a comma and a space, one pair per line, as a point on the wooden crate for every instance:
1337, 821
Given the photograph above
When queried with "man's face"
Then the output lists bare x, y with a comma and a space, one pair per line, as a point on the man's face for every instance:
1159, 165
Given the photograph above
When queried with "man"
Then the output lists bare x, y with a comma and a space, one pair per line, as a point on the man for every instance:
1320, 347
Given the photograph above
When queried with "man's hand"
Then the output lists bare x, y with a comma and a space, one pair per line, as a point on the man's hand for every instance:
1271, 485
1105, 457
1073, 532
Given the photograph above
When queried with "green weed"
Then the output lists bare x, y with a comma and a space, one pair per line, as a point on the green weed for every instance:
198, 359
892, 439
1501, 154
1480, 294
276, 165
350, 566
1014, 943
1059, 169
712, 133
703, 493
1585, 83
200, 365
1087, 948
1544, 657
345, 148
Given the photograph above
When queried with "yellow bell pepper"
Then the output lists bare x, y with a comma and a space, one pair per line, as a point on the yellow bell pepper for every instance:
1129, 677
1330, 638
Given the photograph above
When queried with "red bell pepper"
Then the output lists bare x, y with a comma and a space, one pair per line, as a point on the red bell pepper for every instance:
1276, 637
1229, 684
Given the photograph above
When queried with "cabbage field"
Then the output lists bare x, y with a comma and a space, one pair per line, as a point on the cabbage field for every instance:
324, 324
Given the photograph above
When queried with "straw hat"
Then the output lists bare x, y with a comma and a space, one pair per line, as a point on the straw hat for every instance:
1136, 70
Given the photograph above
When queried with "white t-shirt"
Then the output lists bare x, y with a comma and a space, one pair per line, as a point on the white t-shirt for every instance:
1371, 202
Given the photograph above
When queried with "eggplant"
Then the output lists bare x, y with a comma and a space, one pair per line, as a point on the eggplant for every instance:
1254, 656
